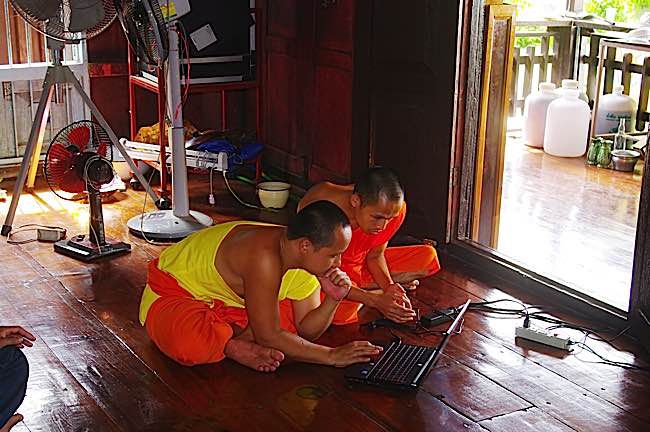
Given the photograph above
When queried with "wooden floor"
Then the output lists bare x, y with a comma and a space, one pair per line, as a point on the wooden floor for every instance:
93, 367
569, 221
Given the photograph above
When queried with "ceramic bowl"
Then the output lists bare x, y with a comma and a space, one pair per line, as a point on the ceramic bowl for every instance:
273, 194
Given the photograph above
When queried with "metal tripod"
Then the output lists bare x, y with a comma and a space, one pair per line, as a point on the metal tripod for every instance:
60, 74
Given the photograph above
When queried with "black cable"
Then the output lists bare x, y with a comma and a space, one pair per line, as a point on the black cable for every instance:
624, 365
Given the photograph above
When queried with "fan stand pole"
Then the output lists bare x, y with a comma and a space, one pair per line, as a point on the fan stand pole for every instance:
175, 224
96, 224
60, 74
35, 136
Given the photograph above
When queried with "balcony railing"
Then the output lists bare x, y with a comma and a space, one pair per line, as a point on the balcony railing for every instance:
566, 48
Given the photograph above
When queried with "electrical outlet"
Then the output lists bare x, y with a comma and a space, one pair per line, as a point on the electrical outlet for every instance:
542, 336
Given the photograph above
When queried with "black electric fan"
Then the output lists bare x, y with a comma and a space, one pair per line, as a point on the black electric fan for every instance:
77, 161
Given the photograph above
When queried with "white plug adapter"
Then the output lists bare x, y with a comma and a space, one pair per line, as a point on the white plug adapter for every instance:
50, 234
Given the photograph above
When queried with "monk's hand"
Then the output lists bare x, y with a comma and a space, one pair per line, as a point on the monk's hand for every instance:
395, 305
353, 352
336, 284
411, 286
15, 336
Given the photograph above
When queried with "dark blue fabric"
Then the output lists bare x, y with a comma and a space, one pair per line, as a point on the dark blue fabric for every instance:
14, 371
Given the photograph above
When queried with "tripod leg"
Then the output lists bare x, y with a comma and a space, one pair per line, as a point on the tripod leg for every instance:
102, 121
30, 158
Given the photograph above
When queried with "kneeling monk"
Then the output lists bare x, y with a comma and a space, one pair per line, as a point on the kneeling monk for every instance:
249, 291
376, 209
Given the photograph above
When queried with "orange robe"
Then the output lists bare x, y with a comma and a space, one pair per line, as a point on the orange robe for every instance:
401, 259
192, 331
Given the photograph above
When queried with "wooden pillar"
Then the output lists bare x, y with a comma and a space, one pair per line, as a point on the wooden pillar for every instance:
497, 72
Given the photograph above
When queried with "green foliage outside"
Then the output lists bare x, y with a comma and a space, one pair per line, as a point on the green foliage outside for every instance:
627, 11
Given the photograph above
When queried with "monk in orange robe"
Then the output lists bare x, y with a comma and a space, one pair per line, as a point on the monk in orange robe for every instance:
251, 292
380, 275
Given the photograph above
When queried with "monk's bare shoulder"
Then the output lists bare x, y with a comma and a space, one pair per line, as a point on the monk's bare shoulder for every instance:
324, 191
250, 248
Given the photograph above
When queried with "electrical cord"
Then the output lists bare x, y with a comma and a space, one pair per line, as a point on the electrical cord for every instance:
144, 205
525, 312
30, 227
225, 179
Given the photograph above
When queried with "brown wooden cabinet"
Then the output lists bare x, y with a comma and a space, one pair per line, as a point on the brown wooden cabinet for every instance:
351, 83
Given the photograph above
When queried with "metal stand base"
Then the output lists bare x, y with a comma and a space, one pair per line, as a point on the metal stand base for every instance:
81, 248
163, 225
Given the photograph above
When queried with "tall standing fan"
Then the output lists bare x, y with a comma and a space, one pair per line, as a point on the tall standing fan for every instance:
79, 160
152, 35
69, 21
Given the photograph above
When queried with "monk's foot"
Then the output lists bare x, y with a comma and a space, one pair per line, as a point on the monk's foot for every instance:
254, 356
13, 421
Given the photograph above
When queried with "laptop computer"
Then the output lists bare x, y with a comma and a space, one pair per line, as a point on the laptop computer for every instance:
402, 366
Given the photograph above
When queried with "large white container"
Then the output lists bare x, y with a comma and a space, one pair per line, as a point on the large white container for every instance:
567, 125
571, 84
613, 107
535, 108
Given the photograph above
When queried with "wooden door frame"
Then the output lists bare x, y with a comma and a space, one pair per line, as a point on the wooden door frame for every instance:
462, 176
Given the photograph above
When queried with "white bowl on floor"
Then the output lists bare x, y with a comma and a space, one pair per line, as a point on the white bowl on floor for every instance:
273, 194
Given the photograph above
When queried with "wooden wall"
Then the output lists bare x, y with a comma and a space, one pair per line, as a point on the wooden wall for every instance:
109, 85
356, 83
411, 100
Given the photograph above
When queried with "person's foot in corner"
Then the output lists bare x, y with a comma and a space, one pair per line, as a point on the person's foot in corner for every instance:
254, 356
13, 421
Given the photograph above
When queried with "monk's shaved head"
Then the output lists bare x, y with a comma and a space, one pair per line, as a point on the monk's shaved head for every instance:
376, 183
317, 222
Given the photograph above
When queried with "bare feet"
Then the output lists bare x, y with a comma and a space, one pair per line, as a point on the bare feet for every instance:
254, 356
13, 421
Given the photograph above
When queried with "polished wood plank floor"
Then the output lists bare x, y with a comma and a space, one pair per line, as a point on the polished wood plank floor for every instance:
569, 221
94, 368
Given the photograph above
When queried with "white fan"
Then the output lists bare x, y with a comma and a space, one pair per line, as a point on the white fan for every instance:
146, 26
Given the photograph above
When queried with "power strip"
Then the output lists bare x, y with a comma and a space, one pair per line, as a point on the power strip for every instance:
542, 336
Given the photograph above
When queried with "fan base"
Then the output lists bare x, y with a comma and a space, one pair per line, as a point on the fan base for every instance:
79, 247
163, 225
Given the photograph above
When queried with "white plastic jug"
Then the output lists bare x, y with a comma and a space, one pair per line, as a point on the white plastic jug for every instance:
567, 126
535, 108
571, 84
613, 107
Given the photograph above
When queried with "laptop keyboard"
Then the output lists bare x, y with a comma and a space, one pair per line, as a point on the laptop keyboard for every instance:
400, 364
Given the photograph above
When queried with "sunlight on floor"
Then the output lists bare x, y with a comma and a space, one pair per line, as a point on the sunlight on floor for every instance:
569, 221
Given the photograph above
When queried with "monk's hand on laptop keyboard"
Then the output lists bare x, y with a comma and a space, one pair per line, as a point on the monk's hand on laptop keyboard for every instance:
336, 284
394, 304
353, 352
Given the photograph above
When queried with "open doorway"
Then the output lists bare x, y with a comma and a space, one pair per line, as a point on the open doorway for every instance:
560, 217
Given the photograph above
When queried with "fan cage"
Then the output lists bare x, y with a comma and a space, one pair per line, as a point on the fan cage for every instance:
54, 20
79, 137
141, 31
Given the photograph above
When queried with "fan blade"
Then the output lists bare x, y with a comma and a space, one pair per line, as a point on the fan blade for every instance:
101, 150
41, 9
85, 14
80, 136
59, 160
71, 183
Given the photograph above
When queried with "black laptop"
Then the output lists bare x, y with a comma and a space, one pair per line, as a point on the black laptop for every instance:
402, 366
